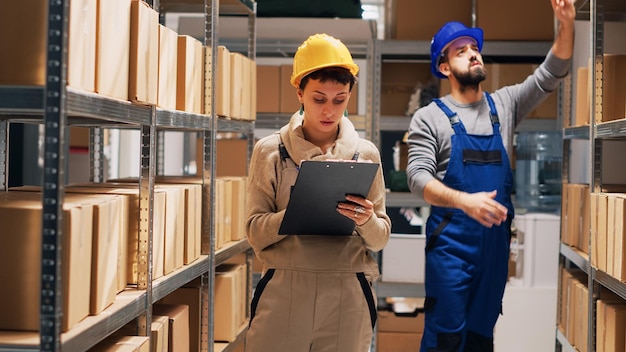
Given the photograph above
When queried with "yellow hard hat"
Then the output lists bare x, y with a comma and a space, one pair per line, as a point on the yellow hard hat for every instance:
319, 51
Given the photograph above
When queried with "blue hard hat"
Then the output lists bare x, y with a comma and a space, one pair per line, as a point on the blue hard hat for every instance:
446, 34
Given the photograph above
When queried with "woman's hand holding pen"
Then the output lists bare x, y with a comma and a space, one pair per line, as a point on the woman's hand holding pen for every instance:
356, 208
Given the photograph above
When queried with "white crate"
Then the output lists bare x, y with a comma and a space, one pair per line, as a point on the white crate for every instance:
403, 259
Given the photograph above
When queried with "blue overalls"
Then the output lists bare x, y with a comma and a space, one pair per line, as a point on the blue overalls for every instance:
467, 263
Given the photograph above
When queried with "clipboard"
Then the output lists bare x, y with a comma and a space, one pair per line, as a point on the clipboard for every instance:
320, 185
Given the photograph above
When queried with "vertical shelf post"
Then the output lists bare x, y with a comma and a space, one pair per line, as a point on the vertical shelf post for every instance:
211, 16
4, 155
146, 218
55, 120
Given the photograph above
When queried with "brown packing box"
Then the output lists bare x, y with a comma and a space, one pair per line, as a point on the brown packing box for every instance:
236, 85
158, 235
602, 231
398, 81
159, 331
238, 215
230, 158
193, 213
253, 90
191, 296
178, 315
230, 301
268, 88
222, 84
594, 203
191, 186
583, 97
113, 48
174, 244
610, 326
619, 261
510, 20
144, 53
585, 219
190, 75
614, 88
222, 202
245, 88
581, 324
21, 213
23, 60
414, 20
117, 343
81, 68
288, 101
108, 223
168, 51
397, 341
396, 322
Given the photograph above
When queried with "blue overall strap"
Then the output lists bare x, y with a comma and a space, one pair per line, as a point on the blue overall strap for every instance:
452, 116
493, 113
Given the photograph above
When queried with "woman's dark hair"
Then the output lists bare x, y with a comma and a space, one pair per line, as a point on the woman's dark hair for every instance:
334, 74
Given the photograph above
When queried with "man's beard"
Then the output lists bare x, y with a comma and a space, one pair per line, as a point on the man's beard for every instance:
469, 80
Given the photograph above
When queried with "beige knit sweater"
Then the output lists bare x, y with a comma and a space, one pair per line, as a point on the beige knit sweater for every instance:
269, 183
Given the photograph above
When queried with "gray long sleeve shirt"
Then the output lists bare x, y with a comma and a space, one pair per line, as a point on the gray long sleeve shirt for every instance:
429, 138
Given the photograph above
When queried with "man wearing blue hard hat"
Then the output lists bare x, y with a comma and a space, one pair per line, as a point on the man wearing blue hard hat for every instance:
458, 163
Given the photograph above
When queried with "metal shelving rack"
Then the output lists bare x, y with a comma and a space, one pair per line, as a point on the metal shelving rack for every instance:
596, 12
57, 106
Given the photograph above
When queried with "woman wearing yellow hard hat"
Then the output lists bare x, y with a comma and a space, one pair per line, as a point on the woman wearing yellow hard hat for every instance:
316, 290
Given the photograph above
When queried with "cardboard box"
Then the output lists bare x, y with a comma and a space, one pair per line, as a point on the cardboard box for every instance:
398, 341
158, 235
191, 297
224, 211
288, 100
117, 343
581, 323
583, 97
236, 85
168, 51
21, 213
412, 322
190, 75
174, 244
610, 326
178, 315
192, 187
509, 20
159, 331
602, 231
414, 20
107, 226
619, 248
614, 88
23, 62
252, 84
144, 53
81, 67
24, 56
230, 301
238, 213
403, 259
398, 82
222, 84
113, 48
